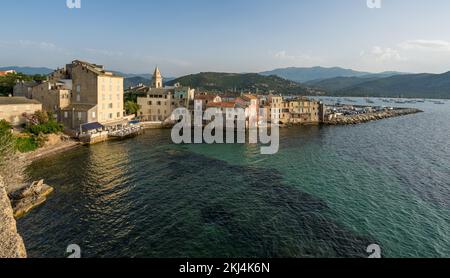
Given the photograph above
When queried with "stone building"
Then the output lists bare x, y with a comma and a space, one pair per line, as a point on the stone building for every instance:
96, 95
24, 88
12, 109
159, 103
54, 96
301, 111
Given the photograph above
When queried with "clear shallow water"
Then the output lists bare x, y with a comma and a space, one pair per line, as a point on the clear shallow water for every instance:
329, 192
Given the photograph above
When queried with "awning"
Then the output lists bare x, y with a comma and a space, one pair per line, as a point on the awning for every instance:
91, 126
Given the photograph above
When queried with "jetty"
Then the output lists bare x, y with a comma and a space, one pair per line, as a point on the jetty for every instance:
353, 119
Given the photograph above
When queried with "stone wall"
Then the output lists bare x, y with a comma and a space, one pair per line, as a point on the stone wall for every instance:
11, 243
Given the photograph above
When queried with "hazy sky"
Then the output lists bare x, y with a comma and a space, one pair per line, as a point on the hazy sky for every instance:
189, 36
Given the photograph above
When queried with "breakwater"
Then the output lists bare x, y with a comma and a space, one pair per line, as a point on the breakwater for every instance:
373, 116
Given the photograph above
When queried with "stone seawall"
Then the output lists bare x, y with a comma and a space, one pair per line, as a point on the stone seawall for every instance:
11, 243
375, 116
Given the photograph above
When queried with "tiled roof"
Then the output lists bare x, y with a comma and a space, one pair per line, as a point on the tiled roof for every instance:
17, 100
79, 107
222, 104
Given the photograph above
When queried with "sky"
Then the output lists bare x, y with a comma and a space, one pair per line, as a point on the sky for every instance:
190, 36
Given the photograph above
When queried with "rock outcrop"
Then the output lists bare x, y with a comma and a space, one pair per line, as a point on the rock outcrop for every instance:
29, 197
11, 243
368, 117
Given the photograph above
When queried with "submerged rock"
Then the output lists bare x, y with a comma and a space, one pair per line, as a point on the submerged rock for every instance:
29, 197
11, 243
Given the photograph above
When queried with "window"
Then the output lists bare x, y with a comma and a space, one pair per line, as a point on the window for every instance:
78, 98
79, 116
110, 106
78, 88
149, 103
118, 114
110, 115
66, 114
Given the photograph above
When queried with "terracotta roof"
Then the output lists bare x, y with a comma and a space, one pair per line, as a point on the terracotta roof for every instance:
222, 104
249, 97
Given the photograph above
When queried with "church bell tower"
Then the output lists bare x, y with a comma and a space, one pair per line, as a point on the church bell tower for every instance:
157, 81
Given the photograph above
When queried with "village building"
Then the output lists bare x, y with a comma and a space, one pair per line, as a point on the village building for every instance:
54, 96
96, 96
159, 102
24, 88
6, 72
12, 109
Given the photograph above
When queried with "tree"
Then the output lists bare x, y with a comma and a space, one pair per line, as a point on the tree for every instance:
8, 81
131, 107
11, 167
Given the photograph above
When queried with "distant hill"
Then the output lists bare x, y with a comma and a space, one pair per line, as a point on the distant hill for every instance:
423, 85
134, 81
29, 70
303, 75
228, 82
338, 83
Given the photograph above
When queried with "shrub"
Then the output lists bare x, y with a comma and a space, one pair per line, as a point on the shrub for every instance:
26, 144
47, 128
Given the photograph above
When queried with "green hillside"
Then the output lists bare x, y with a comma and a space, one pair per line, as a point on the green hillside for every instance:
409, 86
233, 82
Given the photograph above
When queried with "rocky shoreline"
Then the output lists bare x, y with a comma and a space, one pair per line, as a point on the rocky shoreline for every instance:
11, 243
369, 117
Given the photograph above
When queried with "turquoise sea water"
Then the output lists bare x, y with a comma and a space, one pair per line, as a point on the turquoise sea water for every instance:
329, 192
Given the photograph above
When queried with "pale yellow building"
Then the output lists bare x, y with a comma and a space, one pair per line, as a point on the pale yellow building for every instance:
96, 96
12, 109
276, 107
299, 110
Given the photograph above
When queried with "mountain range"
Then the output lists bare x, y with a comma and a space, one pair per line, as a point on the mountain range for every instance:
328, 81
29, 70
303, 75
423, 85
